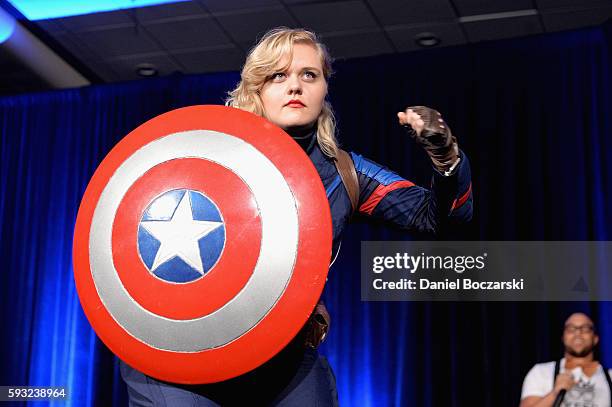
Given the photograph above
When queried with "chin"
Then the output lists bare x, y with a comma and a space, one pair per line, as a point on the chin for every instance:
297, 121
581, 352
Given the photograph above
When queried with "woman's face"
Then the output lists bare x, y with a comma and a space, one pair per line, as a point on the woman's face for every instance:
294, 97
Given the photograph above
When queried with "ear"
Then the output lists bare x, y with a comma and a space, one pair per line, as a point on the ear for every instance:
595, 340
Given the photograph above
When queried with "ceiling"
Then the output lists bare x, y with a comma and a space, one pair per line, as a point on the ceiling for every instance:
213, 35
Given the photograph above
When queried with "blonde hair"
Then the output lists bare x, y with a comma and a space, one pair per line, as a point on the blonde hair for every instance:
262, 61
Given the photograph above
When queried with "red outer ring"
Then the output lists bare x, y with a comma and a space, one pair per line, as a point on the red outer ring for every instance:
232, 271
283, 322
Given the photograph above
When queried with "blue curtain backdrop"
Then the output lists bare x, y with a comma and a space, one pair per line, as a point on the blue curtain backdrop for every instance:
534, 116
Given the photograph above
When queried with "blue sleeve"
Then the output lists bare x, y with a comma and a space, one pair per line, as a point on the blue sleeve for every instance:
386, 195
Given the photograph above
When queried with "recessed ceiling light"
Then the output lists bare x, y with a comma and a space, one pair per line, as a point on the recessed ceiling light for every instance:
146, 70
427, 39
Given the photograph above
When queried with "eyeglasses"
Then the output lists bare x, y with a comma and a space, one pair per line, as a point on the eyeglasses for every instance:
583, 329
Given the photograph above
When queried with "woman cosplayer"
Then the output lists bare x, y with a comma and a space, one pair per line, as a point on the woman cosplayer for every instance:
284, 79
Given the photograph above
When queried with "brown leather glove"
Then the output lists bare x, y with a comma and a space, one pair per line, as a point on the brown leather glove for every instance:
436, 138
317, 326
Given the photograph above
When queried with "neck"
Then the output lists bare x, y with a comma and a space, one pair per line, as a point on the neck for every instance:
572, 361
300, 132
305, 136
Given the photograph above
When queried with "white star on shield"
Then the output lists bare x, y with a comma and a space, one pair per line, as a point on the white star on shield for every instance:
179, 236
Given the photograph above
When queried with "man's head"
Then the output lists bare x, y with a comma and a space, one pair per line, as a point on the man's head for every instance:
579, 336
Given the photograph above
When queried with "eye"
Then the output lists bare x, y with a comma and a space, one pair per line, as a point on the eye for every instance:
277, 77
310, 75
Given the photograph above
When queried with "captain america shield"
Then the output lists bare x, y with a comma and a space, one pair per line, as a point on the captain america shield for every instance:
202, 244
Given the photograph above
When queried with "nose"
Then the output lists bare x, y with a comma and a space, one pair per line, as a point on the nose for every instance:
294, 85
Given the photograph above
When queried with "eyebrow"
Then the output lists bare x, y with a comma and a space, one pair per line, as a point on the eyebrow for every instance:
306, 68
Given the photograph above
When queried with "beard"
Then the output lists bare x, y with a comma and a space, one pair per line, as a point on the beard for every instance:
580, 353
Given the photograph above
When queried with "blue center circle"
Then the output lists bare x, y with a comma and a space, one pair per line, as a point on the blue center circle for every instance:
181, 236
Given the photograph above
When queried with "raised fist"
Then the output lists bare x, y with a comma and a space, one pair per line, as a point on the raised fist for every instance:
430, 131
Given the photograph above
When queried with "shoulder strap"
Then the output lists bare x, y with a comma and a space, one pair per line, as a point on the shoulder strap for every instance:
608, 379
348, 174
606, 374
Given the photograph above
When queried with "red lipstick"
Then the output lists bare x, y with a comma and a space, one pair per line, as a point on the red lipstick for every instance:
295, 103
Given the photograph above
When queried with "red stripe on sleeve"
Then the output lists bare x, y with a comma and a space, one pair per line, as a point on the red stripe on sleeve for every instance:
459, 202
379, 193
